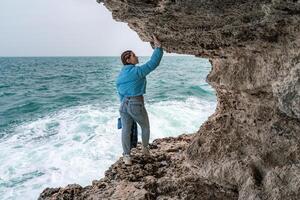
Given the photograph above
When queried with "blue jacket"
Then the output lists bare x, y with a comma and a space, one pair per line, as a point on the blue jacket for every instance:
132, 79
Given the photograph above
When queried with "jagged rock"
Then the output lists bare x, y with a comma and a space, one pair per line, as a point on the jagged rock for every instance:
70, 192
149, 178
288, 93
250, 147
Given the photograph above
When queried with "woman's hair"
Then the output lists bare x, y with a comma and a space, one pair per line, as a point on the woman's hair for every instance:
125, 55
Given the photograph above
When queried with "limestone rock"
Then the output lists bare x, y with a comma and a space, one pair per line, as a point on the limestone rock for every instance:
250, 147
288, 93
164, 175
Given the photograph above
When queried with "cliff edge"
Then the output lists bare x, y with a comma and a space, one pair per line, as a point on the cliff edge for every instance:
250, 147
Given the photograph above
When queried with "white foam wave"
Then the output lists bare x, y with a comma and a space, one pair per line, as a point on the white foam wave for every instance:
78, 144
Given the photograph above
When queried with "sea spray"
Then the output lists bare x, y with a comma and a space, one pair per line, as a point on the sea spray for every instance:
59, 117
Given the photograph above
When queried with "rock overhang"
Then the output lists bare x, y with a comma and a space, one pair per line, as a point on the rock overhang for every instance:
250, 146
210, 28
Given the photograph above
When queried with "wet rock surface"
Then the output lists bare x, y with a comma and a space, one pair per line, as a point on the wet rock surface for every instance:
163, 175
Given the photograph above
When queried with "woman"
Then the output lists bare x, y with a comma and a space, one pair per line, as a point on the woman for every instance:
131, 85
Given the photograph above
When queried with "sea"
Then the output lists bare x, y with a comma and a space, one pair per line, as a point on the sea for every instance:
58, 116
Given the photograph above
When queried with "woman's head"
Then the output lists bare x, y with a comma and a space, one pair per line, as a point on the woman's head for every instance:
128, 57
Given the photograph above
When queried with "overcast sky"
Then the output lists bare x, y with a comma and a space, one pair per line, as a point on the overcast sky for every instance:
64, 28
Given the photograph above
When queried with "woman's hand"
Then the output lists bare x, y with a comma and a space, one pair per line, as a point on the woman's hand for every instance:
156, 41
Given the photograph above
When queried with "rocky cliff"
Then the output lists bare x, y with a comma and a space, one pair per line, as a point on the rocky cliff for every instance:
250, 147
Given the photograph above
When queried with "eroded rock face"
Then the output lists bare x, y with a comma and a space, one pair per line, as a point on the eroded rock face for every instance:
254, 136
165, 175
251, 144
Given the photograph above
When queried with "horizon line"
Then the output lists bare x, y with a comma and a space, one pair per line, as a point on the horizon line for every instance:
83, 56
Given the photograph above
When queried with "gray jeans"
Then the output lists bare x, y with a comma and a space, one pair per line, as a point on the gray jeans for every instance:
133, 109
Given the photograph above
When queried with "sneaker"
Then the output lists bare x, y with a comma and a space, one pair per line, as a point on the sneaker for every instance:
145, 151
127, 160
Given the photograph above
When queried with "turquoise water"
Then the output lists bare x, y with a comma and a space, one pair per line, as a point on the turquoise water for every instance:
58, 116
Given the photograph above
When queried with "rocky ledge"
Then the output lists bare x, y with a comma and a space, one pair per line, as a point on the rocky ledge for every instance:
250, 147
163, 175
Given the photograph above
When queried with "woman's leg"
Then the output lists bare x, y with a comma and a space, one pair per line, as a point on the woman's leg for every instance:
127, 121
139, 114
134, 135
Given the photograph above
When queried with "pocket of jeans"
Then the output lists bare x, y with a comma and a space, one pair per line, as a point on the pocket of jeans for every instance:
136, 108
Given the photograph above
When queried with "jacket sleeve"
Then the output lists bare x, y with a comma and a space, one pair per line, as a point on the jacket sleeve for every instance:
149, 66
